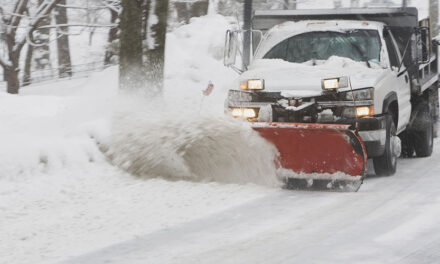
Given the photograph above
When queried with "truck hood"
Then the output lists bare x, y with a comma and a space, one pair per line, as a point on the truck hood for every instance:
305, 80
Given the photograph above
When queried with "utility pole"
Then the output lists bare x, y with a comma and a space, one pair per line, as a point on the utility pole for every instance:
247, 38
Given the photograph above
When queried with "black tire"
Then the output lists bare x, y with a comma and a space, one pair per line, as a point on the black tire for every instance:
407, 144
424, 136
386, 164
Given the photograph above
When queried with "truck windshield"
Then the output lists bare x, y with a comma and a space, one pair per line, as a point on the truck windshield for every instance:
358, 45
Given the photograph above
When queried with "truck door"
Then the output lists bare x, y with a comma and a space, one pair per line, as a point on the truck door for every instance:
400, 81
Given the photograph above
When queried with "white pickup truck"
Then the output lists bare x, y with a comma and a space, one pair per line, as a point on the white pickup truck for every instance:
376, 69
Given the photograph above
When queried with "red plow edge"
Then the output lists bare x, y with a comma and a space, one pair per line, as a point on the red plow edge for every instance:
324, 149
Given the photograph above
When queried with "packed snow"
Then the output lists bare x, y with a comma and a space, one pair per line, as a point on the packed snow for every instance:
300, 79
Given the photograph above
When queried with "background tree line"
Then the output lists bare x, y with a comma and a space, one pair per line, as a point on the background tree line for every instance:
136, 33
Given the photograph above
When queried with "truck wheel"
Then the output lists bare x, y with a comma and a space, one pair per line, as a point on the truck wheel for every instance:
386, 164
407, 144
424, 137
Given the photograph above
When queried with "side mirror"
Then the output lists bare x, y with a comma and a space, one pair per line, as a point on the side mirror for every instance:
422, 45
231, 48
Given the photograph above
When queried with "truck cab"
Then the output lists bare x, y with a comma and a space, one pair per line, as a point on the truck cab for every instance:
377, 73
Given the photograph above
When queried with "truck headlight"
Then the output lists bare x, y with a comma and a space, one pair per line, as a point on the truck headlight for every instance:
256, 84
237, 112
360, 111
364, 111
335, 83
244, 113
360, 95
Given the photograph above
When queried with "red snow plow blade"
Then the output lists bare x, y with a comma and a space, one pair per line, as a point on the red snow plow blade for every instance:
318, 150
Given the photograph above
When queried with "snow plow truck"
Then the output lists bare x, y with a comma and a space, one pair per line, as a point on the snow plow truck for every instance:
333, 89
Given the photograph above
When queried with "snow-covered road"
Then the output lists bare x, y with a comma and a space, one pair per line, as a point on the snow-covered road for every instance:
391, 220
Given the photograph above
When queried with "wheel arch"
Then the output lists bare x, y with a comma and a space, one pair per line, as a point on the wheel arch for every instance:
391, 106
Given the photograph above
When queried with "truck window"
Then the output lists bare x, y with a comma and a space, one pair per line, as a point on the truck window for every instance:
358, 45
392, 53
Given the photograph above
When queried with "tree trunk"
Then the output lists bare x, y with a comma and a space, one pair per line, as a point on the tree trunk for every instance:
199, 8
28, 66
131, 75
11, 74
13, 82
41, 37
182, 9
145, 18
156, 56
433, 13
112, 36
63, 45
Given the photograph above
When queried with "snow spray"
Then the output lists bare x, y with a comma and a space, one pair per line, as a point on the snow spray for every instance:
178, 145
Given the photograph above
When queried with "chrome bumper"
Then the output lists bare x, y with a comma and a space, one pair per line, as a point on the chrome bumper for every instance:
374, 136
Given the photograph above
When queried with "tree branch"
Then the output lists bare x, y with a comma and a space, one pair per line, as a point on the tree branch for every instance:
19, 10
78, 25
43, 11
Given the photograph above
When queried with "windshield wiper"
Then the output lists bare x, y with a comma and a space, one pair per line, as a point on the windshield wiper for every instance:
359, 50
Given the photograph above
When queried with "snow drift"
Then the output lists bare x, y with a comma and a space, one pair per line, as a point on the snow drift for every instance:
151, 142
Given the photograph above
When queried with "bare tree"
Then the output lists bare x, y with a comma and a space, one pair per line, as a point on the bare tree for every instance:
41, 52
28, 64
156, 55
63, 45
112, 37
131, 74
15, 40
146, 10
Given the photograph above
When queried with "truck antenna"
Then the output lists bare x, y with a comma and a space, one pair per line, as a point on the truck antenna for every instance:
354, 106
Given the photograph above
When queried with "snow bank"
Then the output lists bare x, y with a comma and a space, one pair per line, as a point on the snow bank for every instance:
41, 134
195, 57
36, 138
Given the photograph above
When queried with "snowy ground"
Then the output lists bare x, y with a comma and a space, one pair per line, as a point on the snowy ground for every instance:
391, 220
63, 201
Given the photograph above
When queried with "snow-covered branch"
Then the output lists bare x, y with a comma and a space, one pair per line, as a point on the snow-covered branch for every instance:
43, 10
79, 25
114, 5
20, 8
